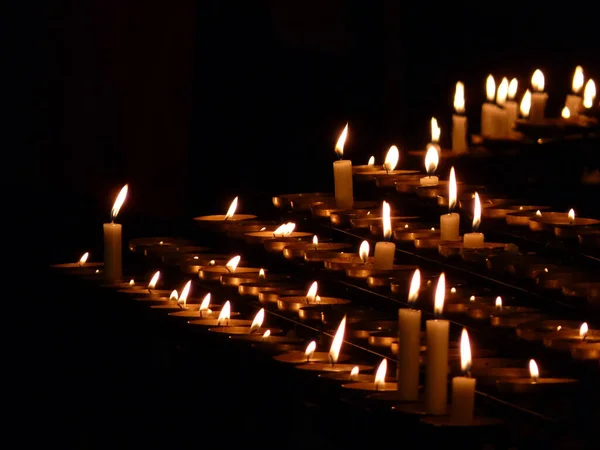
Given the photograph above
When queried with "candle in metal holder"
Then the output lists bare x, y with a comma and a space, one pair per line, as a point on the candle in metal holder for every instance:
220, 219
547, 220
213, 273
410, 180
344, 217
475, 306
319, 256
586, 351
352, 376
332, 314
538, 330
268, 284
556, 278
149, 245
385, 277
223, 319
534, 384
283, 232
420, 231
324, 210
450, 249
341, 261
363, 271
500, 211
364, 329
302, 201
81, 267
193, 264
269, 339
373, 222
489, 370
307, 356
513, 319
266, 297
236, 278
239, 230
563, 340
294, 303
299, 249
574, 226
378, 383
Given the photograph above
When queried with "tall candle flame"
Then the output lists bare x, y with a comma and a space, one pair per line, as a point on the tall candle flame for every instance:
525, 106
174, 295
371, 161
432, 159
315, 241
534, 372
502, 92
339, 145
583, 330
284, 230
232, 209
185, 292
577, 80
459, 98
258, 321
589, 94
205, 303
435, 130
498, 303
476, 212
391, 159
336, 344
310, 350
311, 295
440, 295
387, 221
233, 263
490, 88
538, 81
380, 374
354, 373
118, 203
225, 313
571, 216
452, 191
512, 88
363, 251
154, 280
415, 286
465, 352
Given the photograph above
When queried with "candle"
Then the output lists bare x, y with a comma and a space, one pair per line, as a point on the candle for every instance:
538, 97
459, 120
573, 103
474, 239
342, 173
533, 384
435, 136
113, 262
409, 339
463, 388
378, 384
385, 251
488, 107
449, 223
525, 106
499, 127
229, 216
589, 94
294, 303
432, 159
511, 107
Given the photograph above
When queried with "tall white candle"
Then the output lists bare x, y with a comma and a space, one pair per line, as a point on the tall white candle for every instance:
385, 251
437, 337
409, 340
342, 174
463, 388
488, 107
450, 223
459, 120
475, 239
113, 259
538, 98
574, 101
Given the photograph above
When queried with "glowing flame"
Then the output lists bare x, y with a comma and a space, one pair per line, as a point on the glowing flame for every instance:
266, 334
589, 93
571, 215
565, 113
391, 159
154, 280
354, 373
498, 303
440, 295
502, 92
538, 213
452, 194
205, 304
131, 282
459, 98
415, 285
465, 351
336, 344
472, 298
233, 263
435, 130
311, 295
185, 292
525, 106
212, 262
583, 330
380, 374
84, 258
339, 146
512, 88
258, 320
577, 80
371, 161
315, 241
225, 313
534, 372
476, 213
310, 350
363, 251
387, 221
174, 295
232, 209
432, 159
490, 88
261, 274
537, 81
453, 290
284, 230
118, 203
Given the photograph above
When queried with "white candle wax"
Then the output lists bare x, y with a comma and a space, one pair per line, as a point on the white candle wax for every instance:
342, 173
459, 133
449, 225
463, 400
409, 340
430, 180
538, 106
384, 255
574, 103
512, 114
436, 379
473, 240
499, 123
486, 118
113, 270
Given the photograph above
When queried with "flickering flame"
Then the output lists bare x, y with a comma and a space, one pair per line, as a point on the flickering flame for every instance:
212, 262
498, 303
84, 258
233, 263
502, 92
118, 203
205, 304
258, 321
354, 373
476, 213
311, 295
266, 334
415, 285
225, 313
371, 161
512, 88
534, 372
435, 130
154, 280
525, 104
537, 81
339, 146
380, 374
583, 330
315, 241
232, 208
391, 159
538, 213
387, 221
284, 230
185, 292
174, 295
310, 350
261, 274
336, 344
490, 88
452, 190
571, 215
440, 295
465, 351
363, 251
131, 282
472, 298
565, 113
577, 80
459, 98
432, 159
453, 290
589, 93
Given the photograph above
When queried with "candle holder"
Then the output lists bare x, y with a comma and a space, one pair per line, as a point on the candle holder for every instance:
324, 210
156, 244
409, 223
440, 192
347, 377
503, 319
563, 340
215, 322
239, 230
383, 339
333, 314
335, 368
270, 284
344, 217
303, 201
374, 222
556, 278
217, 221
299, 249
519, 218
154, 299
454, 291
274, 342
212, 313
384, 278
571, 230
466, 199
408, 185
527, 385
364, 329
547, 221
76, 268
392, 182
300, 357
213, 273
432, 242
371, 386
277, 245
589, 237
382, 173
549, 128
538, 330
475, 306
417, 231
194, 264
235, 279
531, 267
294, 303
489, 309
489, 370
449, 249
499, 212
363, 271
140, 290
320, 256
244, 330
266, 297
586, 351
345, 260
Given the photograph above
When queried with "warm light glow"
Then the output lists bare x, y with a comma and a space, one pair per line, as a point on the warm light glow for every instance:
258, 320
225, 313
583, 330
371, 161
453, 290
465, 351
512, 88
311, 295
185, 292
232, 209
589, 93
284, 230
174, 295
119, 202
84, 258
205, 304
577, 80
391, 158
525, 106
354, 373
154, 280
440, 295
538, 213
261, 274
472, 298
432, 159
452, 194
490, 88
435, 130
565, 113
233, 263
131, 282
339, 146
537, 81
502, 92
534, 372
571, 215
266, 334
380, 374
476, 213
310, 349
336, 344
315, 241
498, 303
387, 221
459, 98
363, 251
415, 285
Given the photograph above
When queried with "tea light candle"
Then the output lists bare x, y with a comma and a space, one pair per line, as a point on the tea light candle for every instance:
463, 387
538, 97
378, 384
255, 327
308, 356
499, 128
113, 260
459, 120
533, 384
437, 338
299, 249
222, 320
589, 94
409, 339
565, 339
342, 173
511, 107
213, 273
449, 223
475, 239
83, 266
295, 303
230, 216
574, 101
385, 251
431, 162
488, 108
235, 279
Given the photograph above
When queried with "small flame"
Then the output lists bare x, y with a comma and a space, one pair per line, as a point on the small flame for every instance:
432, 159
440, 295
452, 194
453, 290
465, 352
571, 215
459, 98
583, 330
311, 295
310, 350
261, 274
233, 263
525, 106
84, 258
119, 202
415, 285
435, 130
476, 213
205, 303
131, 282
225, 313
577, 80
174, 295
339, 146
538, 213
498, 303
336, 344
512, 88
154, 280
258, 320
589, 93
354, 373
315, 241
502, 92
232, 209
565, 113
534, 372
391, 159
185, 292
537, 81
380, 374
284, 230
387, 221
371, 161
472, 298
490, 88
363, 251
266, 334
558, 328
212, 262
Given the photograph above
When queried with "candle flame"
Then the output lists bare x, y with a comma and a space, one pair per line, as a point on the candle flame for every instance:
232, 209
258, 320
472, 298
266, 334
154, 280
233, 263
354, 373
380, 374
311, 295
452, 194
440, 295
459, 98
435, 130
465, 352
391, 159
571, 216
315, 241
363, 251
538, 213
415, 286
534, 372
284, 230
577, 80
565, 113
589, 93
174, 295
502, 92
371, 161
310, 350
387, 221
119, 202
476, 213
525, 106
498, 303
583, 330
339, 145
185, 292
336, 344
84, 258
512, 88
537, 81
432, 159
490, 88
225, 313
205, 304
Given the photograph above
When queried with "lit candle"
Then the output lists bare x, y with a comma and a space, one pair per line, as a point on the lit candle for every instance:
342, 173
385, 251
432, 159
511, 107
488, 107
499, 116
475, 239
113, 260
574, 101
435, 135
463, 388
459, 120
538, 97
589, 94
525, 105
437, 337
409, 340
449, 223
